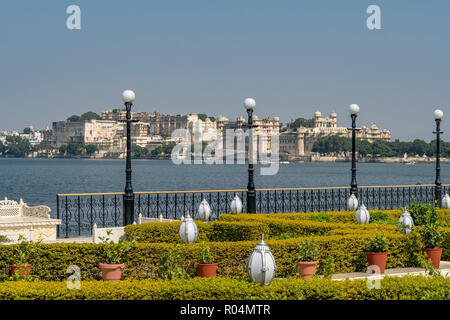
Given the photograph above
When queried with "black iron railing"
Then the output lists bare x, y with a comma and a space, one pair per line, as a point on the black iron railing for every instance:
79, 212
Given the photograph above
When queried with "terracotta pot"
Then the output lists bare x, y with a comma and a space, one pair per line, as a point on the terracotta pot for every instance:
307, 268
111, 272
434, 254
24, 272
207, 270
377, 259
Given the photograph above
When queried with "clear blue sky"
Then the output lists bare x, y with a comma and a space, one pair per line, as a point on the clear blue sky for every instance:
206, 56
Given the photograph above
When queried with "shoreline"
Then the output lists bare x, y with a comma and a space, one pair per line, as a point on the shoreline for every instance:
295, 159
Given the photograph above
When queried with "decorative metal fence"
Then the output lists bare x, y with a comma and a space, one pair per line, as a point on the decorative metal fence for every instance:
79, 212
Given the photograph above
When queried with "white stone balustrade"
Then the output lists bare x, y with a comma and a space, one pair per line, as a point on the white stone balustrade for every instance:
33, 223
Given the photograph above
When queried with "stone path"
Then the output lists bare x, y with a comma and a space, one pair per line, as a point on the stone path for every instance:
399, 272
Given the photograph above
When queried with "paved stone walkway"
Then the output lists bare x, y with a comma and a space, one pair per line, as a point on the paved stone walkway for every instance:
399, 272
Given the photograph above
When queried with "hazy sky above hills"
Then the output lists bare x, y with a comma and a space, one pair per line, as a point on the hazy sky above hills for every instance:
206, 56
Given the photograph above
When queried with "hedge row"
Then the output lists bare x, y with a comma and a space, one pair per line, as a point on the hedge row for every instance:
167, 232
335, 216
50, 261
245, 228
391, 288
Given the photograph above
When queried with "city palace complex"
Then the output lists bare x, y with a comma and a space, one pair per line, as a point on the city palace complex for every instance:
154, 130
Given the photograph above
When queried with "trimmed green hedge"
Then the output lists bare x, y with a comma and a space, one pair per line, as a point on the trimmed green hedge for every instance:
167, 232
335, 216
50, 261
245, 228
392, 288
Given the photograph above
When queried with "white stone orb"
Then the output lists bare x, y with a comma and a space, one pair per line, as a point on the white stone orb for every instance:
236, 205
352, 203
188, 230
446, 201
204, 210
261, 265
405, 223
362, 215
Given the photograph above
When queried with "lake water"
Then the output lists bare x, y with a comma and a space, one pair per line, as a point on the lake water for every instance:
38, 181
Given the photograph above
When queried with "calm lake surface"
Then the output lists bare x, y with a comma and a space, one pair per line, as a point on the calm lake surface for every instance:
38, 181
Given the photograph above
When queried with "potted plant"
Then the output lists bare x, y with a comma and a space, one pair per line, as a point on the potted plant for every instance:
206, 266
114, 253
432, 240
22, 268
376, 252
307, 259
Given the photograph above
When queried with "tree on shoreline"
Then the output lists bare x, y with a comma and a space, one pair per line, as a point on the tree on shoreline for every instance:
380, 148
139, 152
17, 147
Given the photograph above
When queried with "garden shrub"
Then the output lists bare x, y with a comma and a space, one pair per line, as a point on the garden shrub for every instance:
378, 216
423, 214
167, 232
336, 216
392, 288
320, 217
50, 261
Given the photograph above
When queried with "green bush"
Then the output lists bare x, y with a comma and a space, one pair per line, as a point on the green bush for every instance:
378, 243
378, 216
307, 251
392, 288
320, 217
167, 232
423, 214
335, 216
50, 261
432, 237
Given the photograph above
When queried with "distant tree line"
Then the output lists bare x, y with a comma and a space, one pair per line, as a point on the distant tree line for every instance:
77, 149
142, 152
15, 146
380, 148
204, 116
84, 117
301, 122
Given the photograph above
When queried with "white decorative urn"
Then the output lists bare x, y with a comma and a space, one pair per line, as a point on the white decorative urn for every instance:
188, 230
236, 205
204, 210
261, 264
352, 203
362, 214
446, 201
405, 223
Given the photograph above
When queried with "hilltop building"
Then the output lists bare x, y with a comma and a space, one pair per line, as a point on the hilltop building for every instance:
267, 126
300, 141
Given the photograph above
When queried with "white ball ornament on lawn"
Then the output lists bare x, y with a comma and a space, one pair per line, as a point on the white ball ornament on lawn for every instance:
446, 201
405, 223
352, 203
236, 205
362, 215
188, 230
204, 210
261, 264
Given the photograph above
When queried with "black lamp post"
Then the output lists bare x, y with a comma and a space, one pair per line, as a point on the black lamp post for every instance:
249, 104
438, 114
128, 97
354, 109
